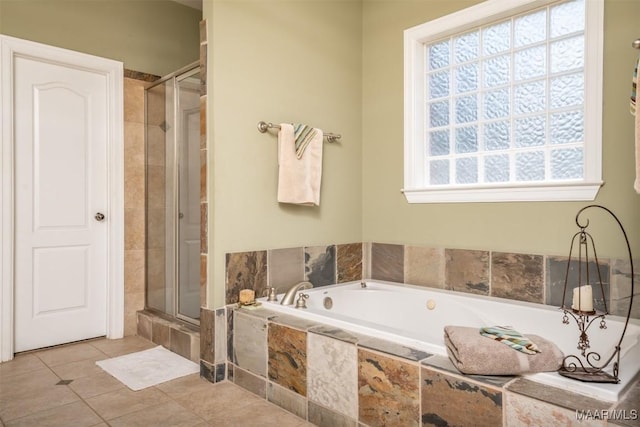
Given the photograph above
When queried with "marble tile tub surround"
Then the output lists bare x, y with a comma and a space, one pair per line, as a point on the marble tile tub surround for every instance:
534, 278
281, 268
333, 377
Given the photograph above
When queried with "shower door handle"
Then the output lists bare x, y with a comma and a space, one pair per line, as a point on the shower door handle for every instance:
99, 217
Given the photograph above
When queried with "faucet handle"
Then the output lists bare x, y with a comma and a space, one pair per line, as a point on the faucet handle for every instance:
271, 294
302, 300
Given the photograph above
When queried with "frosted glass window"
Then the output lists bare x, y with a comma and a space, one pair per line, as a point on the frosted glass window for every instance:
466, 47
466, 109
530, 63
496, 38
439, 113
502, 100
467, 139
496, 104
439, 143
439, 55
530, 166
567, 91
467, 170
530, 131
530, 97
567, 127
466, 78
496, 168
438, 85
530, 28
567, 164
496, 71
497, 135
567, 54
567, 18
439, 172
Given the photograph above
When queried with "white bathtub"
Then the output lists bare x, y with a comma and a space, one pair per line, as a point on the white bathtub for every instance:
416, 316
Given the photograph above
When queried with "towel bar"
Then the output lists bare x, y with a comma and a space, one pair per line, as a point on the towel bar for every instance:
264, 126
635, 44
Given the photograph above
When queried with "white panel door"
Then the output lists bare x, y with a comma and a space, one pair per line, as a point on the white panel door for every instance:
61, 132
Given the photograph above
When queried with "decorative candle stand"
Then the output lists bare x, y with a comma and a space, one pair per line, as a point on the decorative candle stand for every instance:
586, 368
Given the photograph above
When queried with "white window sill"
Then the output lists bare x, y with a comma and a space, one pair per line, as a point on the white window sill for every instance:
553, 192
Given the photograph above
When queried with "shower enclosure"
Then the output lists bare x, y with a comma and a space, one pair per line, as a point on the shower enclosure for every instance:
173, 195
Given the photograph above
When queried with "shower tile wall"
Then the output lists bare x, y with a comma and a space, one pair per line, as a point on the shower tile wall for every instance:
134, 197
156, 197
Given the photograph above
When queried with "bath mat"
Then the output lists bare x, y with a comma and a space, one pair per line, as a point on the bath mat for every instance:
148, 368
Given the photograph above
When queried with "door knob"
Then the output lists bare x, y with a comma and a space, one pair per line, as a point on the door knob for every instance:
99, 216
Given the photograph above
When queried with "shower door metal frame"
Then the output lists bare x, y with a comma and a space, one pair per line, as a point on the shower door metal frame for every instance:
181, 74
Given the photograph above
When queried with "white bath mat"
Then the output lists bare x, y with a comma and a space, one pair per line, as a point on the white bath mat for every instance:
147, 368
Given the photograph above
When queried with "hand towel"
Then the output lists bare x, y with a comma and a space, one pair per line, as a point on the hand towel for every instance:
303, 135
509, 336
635, 109
471, 353
299, 178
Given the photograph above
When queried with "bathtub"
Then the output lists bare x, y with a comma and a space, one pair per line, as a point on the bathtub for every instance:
416, 316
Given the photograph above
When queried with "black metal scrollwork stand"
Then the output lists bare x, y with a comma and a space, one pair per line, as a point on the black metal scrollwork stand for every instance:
573, 366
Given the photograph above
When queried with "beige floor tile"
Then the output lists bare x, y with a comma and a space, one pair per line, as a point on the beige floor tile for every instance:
185, 386
260, 414
70, 353
166, 414
79, 369
27, 383
124, 401
19, 365
215, 402
25, 403
95, 385
77, 414
122, 346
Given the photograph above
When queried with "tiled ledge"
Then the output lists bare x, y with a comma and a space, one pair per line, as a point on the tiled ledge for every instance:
179, 337
329, 376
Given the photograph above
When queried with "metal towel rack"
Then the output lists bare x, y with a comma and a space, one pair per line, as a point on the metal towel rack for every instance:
635, 44
264, 126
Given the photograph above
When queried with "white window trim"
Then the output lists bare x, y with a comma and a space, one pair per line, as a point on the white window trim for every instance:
414, 110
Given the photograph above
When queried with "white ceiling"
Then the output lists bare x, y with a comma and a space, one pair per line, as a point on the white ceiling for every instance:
196, 4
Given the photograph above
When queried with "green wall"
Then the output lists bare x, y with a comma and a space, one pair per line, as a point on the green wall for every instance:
280, 61
151, 36
544, 228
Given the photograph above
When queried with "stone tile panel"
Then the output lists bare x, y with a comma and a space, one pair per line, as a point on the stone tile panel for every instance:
557, 271
517, 276
388, 392
387, 262
288, 358
424, 266
286, 268
332, 374
320, 265
467, 271
450, 400
349, 262
250, 343
245, 270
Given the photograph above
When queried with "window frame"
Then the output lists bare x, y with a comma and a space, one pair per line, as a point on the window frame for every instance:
416, 191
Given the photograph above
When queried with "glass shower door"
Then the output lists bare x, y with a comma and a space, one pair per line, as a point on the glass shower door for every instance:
173, 195
188, 304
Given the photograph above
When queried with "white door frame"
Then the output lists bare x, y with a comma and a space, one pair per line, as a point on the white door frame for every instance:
10, 48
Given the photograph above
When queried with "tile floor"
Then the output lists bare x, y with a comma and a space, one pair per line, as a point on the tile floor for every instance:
63, 386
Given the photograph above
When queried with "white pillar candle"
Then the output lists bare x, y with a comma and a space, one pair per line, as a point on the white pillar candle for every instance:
583, 298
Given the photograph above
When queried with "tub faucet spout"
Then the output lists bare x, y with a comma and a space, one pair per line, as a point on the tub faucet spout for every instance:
290, 295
